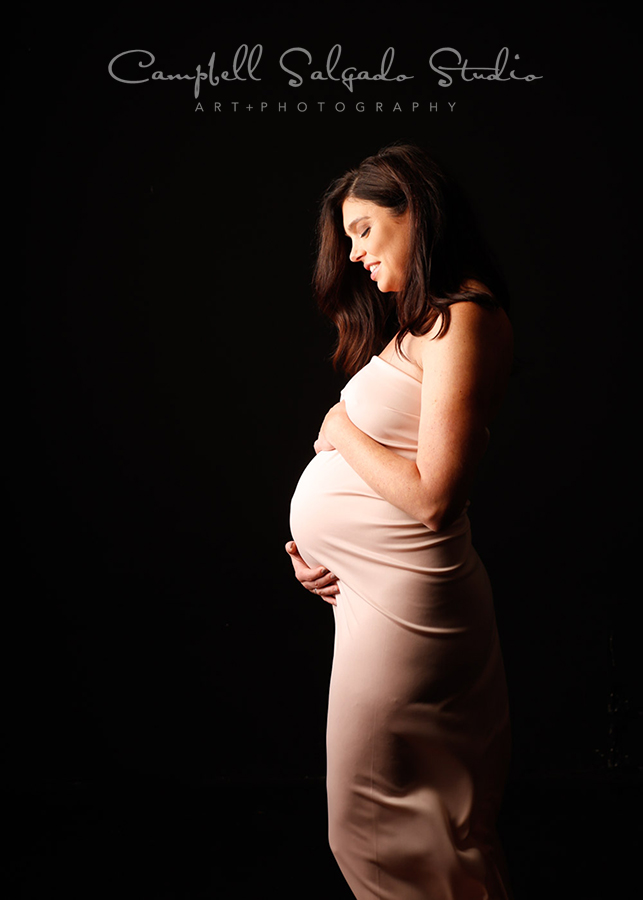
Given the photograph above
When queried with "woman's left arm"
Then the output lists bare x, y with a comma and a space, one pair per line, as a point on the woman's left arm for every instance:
464, 376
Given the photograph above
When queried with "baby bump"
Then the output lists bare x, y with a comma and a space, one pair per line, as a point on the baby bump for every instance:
380, 552
332, 507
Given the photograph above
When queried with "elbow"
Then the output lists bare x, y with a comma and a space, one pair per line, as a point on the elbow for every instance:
438, 518
435, 523
441, 504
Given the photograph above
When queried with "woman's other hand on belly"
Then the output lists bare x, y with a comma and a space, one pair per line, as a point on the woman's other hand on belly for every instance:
322, 444
324, 441
318, 581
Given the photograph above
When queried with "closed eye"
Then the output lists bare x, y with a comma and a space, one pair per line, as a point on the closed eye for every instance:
364, 233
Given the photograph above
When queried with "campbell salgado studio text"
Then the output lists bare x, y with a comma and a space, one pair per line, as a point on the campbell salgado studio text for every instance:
447, 62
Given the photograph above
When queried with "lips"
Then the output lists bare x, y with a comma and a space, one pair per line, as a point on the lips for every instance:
373, 268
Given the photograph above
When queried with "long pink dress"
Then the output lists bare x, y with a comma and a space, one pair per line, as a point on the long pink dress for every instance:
418, 724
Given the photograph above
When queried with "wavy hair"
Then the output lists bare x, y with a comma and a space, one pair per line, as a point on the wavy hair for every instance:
447, 249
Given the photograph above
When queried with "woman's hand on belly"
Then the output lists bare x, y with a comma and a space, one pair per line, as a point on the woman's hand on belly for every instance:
322, 442
318, 581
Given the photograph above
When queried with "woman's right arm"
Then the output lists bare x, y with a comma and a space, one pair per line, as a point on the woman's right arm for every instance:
318, 581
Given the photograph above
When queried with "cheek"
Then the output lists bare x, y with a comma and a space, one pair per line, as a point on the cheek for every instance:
400, 260
405, 255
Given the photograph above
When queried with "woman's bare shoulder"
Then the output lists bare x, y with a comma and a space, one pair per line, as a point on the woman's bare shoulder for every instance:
469, 323
473, 358
469, 317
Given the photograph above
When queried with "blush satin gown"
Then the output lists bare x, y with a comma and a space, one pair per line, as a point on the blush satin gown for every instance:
418, 723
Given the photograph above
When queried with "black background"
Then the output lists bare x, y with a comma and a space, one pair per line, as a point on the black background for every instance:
169, 374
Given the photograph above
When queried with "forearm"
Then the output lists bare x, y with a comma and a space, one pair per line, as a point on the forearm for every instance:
394, 477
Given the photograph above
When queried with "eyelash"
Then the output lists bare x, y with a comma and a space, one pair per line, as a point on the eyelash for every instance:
364, 233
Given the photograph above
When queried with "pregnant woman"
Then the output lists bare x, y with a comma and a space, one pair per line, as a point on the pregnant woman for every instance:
418, 726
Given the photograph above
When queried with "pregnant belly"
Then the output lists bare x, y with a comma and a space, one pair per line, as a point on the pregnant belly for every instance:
426, 581
334, 515
422, 578
332, 507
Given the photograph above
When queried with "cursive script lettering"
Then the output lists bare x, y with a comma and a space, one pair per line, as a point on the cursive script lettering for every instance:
348, 76
242, 58
246, 61
484, 73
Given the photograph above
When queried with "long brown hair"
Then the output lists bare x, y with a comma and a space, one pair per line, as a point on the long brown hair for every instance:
446, 251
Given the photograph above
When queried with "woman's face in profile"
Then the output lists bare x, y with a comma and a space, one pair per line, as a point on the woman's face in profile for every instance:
381, 242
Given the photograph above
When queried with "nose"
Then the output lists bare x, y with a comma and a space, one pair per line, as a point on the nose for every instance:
356, 252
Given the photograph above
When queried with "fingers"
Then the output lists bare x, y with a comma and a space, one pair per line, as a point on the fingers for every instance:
316, 579
326, 593
322, 444
303, 572
323, 587
323, 580
319, 580
291, 550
